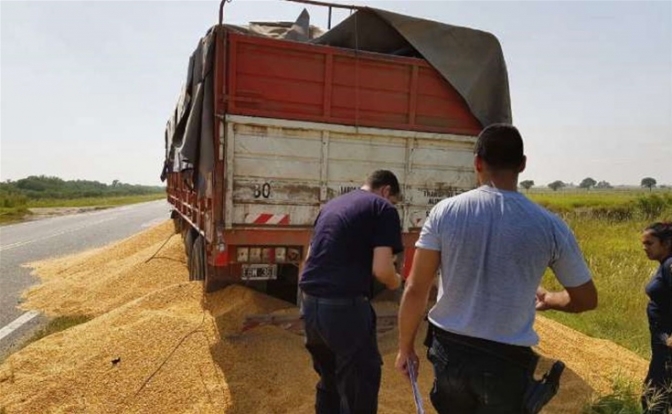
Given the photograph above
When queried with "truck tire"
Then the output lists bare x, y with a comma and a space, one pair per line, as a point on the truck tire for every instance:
177, 225
189, 237
196, 260
177, 222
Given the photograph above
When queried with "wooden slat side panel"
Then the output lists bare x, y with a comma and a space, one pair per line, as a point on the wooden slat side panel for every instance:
289, 80
283, 172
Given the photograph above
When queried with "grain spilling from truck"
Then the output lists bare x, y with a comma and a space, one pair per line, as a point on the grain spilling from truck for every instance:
175, 350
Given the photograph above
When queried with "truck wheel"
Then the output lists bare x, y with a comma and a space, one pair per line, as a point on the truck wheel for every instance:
196, 260
189, 237
177, 225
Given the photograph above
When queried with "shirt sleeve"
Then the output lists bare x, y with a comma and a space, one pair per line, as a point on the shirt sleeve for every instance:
430, 239
568, 263
666, 273
387, 231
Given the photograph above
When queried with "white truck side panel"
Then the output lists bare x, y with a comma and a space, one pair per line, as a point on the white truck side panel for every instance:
283, 171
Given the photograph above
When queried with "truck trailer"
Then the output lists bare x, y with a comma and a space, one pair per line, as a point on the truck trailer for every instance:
277, 118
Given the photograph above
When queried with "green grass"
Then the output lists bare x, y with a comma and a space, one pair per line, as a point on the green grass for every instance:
96, 201
12, 214
623, 400
18, 213
611, 246
620, 270
577, 200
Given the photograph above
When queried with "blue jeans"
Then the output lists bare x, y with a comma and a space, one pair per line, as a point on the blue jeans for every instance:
475, 380
341, 339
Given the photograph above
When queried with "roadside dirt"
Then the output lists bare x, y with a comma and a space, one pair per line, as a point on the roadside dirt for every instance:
38, 213
158, 344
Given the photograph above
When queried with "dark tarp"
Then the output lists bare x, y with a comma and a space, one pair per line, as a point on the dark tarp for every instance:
471, 60
189, 135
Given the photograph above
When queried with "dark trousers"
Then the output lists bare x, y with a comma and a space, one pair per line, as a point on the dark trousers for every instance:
474, 376
341, 339
657, 398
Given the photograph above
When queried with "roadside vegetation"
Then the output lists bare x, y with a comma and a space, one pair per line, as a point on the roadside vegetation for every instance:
623, 400
18, 197
608, 227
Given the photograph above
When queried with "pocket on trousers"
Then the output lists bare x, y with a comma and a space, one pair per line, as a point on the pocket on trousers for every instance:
437, 355
439, 394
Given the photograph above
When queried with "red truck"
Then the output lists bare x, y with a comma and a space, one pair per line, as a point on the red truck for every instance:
275, 119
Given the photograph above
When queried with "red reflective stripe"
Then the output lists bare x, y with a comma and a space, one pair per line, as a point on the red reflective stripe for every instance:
263, 218
285, 220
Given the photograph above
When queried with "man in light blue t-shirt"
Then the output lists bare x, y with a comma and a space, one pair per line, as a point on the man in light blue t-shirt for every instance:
492, 246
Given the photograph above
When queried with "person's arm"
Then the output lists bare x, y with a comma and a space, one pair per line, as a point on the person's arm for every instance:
666, 270
387, 242
573, 299
384, 269
571, 270
303, 263
414, 303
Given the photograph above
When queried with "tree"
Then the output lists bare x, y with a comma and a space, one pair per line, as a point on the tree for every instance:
649, 182
603, 184
587, 183
527, 184
555, 185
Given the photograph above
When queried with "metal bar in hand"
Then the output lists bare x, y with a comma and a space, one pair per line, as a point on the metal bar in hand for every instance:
413, 375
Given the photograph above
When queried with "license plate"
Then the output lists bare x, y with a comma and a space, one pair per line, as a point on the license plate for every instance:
260, 272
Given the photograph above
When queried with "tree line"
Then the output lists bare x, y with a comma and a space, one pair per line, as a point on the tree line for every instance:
588, 183
13, 193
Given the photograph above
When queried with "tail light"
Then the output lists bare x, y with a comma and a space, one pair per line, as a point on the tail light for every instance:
271, 254
293, 255
242, 254
255, 254
280, 254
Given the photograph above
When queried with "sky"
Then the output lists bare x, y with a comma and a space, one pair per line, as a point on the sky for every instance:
86, 87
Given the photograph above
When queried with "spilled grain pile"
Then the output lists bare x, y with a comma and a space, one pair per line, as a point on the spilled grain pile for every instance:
159, 345
100, 280
597, 361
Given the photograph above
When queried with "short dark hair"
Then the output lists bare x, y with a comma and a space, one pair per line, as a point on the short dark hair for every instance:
381, 178
500, 146
661, 230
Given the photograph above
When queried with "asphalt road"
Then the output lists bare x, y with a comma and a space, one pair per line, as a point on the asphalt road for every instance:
36, 240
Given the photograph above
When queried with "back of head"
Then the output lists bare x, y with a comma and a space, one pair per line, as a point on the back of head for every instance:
501, 147
382, 178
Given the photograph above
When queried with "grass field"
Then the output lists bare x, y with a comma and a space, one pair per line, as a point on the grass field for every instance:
608, 226
611, 246
18, 213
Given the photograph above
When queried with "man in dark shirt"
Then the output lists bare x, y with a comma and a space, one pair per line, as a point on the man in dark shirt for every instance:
355, 239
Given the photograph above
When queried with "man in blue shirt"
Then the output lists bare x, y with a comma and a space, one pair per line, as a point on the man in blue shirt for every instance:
355, 239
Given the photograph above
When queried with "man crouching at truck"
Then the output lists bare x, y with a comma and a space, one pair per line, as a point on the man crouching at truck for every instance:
355, 238
492, 245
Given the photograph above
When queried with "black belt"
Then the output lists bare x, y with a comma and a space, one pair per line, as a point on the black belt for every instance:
336, 301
